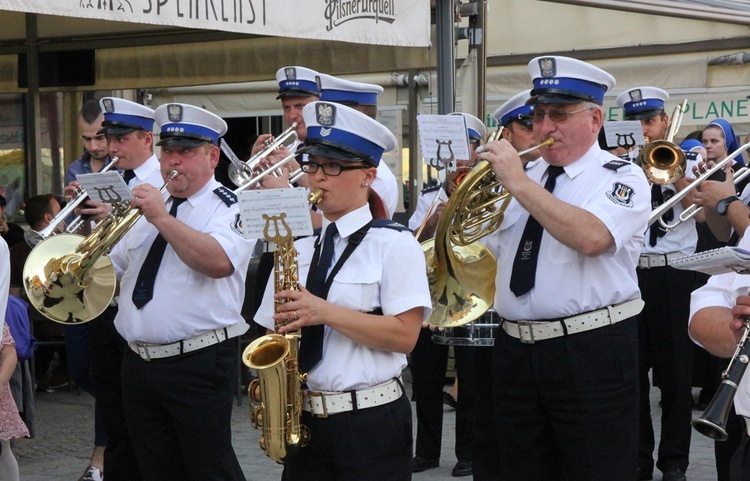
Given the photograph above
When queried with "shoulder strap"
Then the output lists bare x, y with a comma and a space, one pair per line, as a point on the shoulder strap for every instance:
226, 195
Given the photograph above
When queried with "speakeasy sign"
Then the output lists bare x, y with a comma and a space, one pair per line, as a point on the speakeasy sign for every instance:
381, 22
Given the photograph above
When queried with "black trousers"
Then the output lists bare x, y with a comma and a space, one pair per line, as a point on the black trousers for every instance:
567, 408
181, 409
665, 347
485, 461
373, 444
740, 468
428, 363
107, 349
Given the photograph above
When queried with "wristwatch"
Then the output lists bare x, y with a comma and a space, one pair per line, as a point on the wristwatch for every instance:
722, 207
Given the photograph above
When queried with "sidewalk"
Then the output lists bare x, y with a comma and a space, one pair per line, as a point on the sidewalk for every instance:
65, 434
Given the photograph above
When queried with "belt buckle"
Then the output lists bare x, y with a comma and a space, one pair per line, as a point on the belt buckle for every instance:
143, 350
322, 397
525, 332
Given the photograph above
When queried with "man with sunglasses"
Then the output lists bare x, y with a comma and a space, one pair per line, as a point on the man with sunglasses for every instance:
565, 365
663, 341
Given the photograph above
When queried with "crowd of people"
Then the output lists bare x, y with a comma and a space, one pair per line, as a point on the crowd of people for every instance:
588, 314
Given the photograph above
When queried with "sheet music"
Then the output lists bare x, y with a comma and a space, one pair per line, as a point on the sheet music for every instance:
108, 187
716, 261
624, 133
445, 131
272, 202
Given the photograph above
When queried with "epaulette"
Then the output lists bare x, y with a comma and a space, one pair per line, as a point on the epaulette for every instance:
615, 164
691, 156
226, 195
389, 224
431, 188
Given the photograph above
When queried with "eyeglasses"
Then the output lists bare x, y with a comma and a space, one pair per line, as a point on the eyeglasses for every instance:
331, 169
555, 115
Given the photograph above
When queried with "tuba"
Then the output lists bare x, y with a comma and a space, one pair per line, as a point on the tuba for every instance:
69, 279
276, 395
663, 161
461, 271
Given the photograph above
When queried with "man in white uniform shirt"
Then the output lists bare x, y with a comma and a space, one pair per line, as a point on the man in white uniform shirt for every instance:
565, 361
663, 343
182, 276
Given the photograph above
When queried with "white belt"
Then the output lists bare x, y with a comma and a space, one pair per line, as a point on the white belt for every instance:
647, 261
157, 351
529, 331
322, 404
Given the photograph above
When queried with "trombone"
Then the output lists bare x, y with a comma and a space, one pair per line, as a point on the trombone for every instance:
663, 161
693, 210
70, 208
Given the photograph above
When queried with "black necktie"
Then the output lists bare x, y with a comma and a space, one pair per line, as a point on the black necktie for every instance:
523, 275
144, 284
128, 175
657, 199
311, 348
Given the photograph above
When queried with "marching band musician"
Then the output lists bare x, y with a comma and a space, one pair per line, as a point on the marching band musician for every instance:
354, 338
565, 361
515, 118
429, 360
182, 276
364, 98
663, 342
718, 312
127, 127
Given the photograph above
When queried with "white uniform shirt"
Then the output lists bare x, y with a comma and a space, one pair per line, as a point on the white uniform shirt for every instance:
148, 172
386, 185
387, 270
684, 237
567, 282
185, 303
722, 291
424, 201
4, 279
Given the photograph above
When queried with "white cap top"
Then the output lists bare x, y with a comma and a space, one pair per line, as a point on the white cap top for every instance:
123, 116
567, 80
188, 126
344, 91
642, 102
476, 128
298, 82
515, 108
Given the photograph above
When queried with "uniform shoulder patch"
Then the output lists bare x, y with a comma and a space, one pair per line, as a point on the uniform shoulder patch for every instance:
691, 156
621, 194
431, 188
389, 224
226, 195
615, 164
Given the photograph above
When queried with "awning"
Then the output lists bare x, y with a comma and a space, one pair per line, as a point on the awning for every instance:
382, 22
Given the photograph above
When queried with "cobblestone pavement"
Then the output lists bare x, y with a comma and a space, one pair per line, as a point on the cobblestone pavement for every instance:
64, 440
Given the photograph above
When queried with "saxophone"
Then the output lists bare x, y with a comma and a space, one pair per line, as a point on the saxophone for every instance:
276, 395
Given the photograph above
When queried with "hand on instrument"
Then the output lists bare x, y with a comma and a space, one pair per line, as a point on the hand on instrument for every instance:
276, 156
709, 192
260, 143
150, 201
301, 309
72, 190
740, 315
505, 162
273, 182
94, 211
429, 227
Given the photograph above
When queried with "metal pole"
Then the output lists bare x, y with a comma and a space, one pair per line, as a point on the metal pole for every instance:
34, 182
446, 63
478, 42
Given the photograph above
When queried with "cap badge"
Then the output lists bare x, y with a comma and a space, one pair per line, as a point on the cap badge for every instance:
175, 112
547, 67
635, 95
109, 106
325, 115
291, 73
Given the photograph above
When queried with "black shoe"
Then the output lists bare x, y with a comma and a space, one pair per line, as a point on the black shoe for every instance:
642, 474
419, 464
449, 400
462, 468
674, 474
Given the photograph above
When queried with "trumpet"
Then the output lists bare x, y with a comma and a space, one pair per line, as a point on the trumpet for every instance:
69, 279
713, 421
257, 179
70, 208
240, 173
658, 213
663, 161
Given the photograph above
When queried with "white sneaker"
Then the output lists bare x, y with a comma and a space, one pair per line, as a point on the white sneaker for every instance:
92, 473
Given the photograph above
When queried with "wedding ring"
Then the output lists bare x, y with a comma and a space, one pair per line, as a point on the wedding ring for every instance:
295, 315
